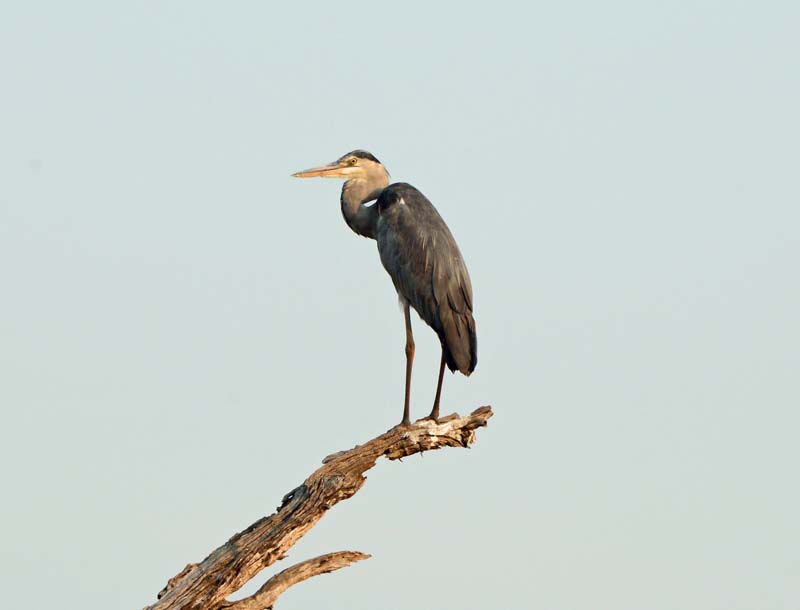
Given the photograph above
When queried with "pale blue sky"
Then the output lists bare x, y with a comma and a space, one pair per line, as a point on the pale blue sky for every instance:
185, 331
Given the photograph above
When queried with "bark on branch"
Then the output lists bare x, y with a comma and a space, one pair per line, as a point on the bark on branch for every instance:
207, 584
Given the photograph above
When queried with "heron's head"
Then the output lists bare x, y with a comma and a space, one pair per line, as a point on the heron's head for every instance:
356, 165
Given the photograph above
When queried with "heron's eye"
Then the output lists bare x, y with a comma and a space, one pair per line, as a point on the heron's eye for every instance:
353, 161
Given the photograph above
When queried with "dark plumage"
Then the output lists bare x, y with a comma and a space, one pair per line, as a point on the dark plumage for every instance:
426, 266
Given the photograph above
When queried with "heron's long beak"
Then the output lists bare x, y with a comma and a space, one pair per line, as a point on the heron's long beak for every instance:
332, 170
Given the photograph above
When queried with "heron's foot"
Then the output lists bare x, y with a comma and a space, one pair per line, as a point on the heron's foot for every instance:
434, 416
404, 424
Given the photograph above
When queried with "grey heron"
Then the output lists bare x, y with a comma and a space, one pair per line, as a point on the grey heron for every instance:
419, 253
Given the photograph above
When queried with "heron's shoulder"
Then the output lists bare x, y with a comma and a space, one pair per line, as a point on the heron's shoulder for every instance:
401, 193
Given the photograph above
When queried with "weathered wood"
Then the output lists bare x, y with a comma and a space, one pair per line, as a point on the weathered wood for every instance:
207, 585
271, 590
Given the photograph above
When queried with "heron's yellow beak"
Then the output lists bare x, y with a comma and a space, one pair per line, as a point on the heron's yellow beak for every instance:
332, 170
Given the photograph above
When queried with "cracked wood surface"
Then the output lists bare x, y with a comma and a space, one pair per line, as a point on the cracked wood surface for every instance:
207, 584
269, 592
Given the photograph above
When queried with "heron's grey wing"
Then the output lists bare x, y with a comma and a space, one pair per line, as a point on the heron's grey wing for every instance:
426, 266
452, 291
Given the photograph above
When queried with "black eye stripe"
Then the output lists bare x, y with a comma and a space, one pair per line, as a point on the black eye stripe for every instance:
360, 154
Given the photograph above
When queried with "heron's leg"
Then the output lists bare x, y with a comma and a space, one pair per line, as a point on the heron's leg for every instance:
409, 363
435, 411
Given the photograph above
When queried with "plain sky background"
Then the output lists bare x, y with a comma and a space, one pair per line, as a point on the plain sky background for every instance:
186, 331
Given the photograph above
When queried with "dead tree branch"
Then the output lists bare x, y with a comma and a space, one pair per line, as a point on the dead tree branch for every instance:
206, 585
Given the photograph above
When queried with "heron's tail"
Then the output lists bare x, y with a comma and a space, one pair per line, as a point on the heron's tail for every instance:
460, 343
